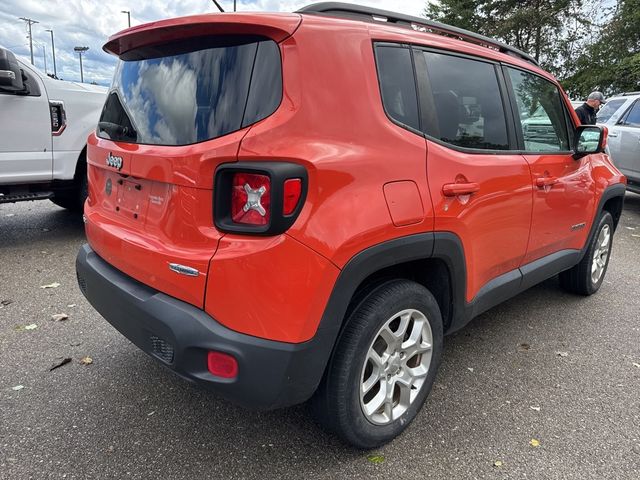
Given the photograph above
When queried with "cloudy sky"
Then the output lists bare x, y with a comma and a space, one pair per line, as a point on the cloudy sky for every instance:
90, 22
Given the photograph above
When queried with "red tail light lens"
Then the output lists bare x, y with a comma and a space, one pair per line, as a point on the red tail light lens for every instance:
222, 365
251, 199
292, 192
258, 197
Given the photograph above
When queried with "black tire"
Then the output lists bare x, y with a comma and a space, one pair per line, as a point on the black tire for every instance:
337, 405
73, 200
578, 279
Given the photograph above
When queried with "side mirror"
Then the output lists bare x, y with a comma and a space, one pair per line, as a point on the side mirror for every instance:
10, 74
589, 139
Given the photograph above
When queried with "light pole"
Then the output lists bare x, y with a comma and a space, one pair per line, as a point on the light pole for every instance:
128, 12
53, 50
30, 22
44, 56
80, 51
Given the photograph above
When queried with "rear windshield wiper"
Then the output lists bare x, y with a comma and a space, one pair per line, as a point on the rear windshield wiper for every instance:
118, 131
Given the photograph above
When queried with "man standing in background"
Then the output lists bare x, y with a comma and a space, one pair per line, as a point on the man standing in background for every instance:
588, 110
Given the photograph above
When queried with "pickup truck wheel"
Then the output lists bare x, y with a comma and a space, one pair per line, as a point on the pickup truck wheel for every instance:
73, 200
383, 367
587, 276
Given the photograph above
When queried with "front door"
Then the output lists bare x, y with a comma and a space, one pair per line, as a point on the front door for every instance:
25, 134
563, 188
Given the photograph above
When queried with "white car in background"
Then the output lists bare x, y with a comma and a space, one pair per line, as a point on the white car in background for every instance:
621, 115
44, 125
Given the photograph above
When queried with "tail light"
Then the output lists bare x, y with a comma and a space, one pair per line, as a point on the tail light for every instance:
261, 198
251, 199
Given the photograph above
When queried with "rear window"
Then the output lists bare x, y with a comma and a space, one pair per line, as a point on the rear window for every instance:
397, 84
192, 91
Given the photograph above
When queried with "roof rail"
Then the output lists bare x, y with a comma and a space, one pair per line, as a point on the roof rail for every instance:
358, 12
626, 94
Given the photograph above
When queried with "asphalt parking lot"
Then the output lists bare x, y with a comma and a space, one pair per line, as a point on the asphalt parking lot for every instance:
545, 366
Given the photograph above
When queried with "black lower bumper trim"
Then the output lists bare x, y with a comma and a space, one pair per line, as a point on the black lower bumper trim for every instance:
271, 374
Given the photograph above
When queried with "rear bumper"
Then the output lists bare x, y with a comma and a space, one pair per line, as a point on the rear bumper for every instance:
270, 375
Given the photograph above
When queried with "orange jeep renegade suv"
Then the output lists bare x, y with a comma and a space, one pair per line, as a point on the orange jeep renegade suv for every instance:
293, 206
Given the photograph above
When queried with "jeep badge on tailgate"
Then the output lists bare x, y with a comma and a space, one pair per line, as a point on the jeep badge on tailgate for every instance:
113, 161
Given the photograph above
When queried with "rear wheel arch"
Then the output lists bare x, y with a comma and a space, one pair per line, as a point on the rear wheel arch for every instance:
434, 260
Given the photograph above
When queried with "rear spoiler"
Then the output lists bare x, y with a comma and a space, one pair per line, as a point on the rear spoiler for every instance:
272, 25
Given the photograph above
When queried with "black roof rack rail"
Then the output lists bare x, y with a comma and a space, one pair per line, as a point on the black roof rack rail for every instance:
627, 94
358, 12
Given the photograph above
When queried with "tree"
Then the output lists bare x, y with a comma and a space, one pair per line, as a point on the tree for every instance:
546, 29
612, 62
465, 14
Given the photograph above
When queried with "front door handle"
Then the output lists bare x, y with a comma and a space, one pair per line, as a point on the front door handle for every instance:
456, 189
542, 182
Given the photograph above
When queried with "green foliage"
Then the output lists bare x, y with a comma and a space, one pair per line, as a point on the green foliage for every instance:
611, 63
465, 14
588, 44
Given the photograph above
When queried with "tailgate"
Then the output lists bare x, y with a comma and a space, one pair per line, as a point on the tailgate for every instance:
178, 108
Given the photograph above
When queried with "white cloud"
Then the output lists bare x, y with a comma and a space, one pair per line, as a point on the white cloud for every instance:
90, 22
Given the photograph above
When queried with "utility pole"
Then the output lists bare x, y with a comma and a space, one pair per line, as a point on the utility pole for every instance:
128, 12
234, 5
80, 51
30, 22
53, 50
218, 5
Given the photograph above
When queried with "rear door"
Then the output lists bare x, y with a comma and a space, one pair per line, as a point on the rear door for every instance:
25, 134
563, 198
480, 187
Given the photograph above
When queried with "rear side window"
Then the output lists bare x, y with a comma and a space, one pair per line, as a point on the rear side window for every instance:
397, 84
607, 111
633, 118
192, 91
467, 101
541, 115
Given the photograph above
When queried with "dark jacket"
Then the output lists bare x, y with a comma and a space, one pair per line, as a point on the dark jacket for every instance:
586, 114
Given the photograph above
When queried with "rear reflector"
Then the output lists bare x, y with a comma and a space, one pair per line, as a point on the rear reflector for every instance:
222, 365
292, 192
251, 199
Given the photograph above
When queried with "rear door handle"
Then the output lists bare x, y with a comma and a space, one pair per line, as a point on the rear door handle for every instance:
613, 135
455, 189
542, 182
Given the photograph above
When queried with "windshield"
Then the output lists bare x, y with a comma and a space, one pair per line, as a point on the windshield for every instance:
193, 91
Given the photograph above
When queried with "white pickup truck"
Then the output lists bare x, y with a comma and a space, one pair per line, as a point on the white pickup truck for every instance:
44, 124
